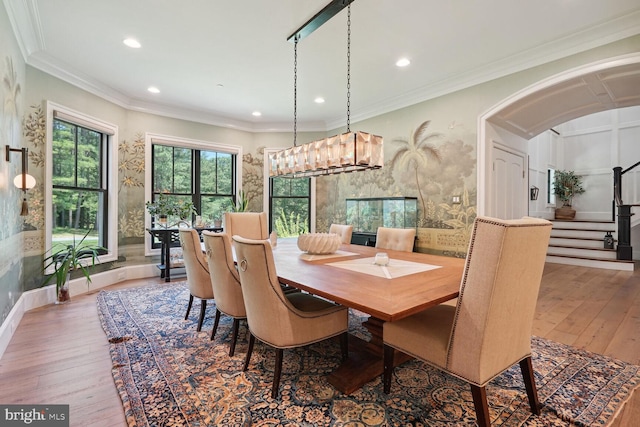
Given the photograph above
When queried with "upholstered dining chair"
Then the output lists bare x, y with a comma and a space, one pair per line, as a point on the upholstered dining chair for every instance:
489, 329
197, 270
278, 319
252, 225
344, 231
397, 239
225, 282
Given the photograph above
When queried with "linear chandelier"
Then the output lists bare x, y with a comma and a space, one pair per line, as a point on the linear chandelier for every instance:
347, 152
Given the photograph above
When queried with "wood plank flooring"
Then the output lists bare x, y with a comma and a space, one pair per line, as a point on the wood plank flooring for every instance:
59, 354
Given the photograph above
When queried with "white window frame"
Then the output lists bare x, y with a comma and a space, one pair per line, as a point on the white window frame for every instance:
266, 193
111, 130
174, 141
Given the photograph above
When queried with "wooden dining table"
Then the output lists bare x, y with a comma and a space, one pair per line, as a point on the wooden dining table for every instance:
410, 283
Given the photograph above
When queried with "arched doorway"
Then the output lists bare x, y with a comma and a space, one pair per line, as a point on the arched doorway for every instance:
608, 84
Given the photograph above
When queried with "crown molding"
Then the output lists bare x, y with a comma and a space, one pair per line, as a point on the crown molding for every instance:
24, 18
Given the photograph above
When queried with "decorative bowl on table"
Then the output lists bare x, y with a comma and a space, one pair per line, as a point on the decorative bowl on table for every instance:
319, 243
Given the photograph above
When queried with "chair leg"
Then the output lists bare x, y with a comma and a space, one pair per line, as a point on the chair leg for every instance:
530, 384
252, 340
387, 363
480, 403
203, 308
276, 373
234, 337
189, 306
344, 345
215, 324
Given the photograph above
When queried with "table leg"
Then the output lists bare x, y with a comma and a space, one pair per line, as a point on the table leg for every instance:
167, 256
365, 360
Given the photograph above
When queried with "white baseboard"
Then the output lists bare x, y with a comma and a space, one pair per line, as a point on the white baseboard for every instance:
47, 295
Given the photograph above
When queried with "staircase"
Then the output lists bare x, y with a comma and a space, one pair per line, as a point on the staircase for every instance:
582, 243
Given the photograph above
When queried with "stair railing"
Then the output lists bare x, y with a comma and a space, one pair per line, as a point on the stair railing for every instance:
624, 251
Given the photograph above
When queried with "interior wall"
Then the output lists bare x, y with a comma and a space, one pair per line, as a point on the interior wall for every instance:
12, 74
447, 126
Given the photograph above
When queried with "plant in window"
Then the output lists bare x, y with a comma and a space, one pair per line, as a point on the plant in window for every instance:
184, 209
76, 256
242, 204
162, 207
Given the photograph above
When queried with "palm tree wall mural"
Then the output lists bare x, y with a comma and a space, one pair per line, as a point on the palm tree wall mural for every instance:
431, 164
414, 155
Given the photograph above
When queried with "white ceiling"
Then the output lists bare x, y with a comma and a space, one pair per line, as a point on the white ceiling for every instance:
189, 48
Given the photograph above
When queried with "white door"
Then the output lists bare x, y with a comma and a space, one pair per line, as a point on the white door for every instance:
508, 185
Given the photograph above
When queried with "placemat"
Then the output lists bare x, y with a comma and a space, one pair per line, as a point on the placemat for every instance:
395, 268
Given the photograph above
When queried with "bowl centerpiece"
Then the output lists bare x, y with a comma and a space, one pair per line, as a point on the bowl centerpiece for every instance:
319, 243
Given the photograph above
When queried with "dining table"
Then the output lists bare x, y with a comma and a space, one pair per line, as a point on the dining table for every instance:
409, 283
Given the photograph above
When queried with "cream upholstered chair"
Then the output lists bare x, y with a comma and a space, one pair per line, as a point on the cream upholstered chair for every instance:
344, 231
197, 271
397, 239
252, 225
225, 282
490, 328
278, 319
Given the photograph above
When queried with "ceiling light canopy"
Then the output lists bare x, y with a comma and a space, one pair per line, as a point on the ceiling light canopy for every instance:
403, 62
348, 152
153, 89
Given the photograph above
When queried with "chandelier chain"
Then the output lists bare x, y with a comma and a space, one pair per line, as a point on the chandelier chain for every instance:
295, 91
349, 68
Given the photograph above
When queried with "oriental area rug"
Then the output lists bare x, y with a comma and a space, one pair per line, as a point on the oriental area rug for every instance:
167, 374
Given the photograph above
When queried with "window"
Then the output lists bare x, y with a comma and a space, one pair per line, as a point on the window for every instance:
551, 195
81, 175
204, 173
290, 206
203, 177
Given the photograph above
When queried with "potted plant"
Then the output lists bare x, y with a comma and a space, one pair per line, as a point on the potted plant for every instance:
566, 185
76, 256
242, 203
184, 209
161, 208
165, 205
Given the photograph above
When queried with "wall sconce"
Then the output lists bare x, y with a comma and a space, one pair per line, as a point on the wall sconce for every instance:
24, 181
534, 192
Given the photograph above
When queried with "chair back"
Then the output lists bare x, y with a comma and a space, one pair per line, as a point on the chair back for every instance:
251, 225
224, 275
271, 316
498, 296
195, 264
397, 239
344, 231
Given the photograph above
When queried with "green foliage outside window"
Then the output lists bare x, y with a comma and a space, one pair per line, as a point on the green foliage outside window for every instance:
78, 195
290, 204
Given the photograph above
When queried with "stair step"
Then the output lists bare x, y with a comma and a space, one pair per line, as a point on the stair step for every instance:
581, 242
602, 226
579, 234
577, 242
591, 262
578, 251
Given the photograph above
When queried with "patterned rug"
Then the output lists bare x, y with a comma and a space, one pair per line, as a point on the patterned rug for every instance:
167, 374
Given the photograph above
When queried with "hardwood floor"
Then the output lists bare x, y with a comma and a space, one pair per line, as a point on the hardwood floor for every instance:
59, 354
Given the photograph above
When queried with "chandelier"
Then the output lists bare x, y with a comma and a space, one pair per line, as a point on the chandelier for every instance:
347, 152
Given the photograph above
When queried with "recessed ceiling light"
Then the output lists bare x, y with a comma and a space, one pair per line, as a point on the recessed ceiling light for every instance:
153, 89
257, 113
402, 62
319, 100
132, 43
